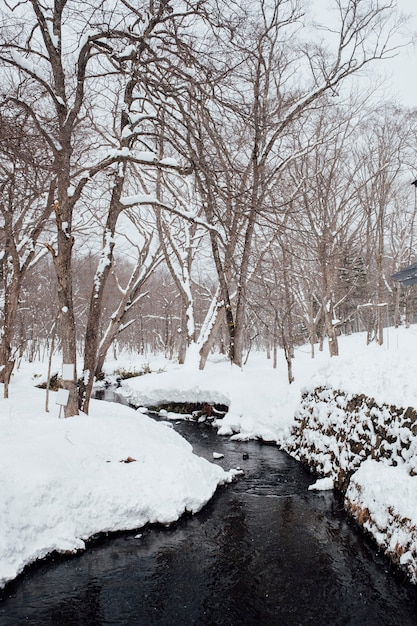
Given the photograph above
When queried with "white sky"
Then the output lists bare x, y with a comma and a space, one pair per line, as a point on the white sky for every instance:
401, 82
402, 69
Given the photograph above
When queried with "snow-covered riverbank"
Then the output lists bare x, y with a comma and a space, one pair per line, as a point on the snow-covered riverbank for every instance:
64, 480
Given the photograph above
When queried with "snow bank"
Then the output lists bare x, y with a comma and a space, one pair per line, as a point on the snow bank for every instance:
260, 400
383, 500
384, 373
358, 405
371, 452
65, 480
334, 432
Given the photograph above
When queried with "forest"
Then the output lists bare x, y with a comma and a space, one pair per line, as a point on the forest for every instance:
182, 177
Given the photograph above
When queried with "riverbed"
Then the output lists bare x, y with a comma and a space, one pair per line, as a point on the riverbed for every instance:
265, 550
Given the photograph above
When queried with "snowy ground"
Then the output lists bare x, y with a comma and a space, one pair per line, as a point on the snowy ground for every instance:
64, 480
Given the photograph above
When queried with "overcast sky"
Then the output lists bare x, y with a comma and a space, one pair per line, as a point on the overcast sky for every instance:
400, 73
403, 69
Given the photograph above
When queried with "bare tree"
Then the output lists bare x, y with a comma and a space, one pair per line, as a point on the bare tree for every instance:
402, 244
180, 240
61, 57
240, 136
331, 217
229, 110
148, 257
380, 155
25, 206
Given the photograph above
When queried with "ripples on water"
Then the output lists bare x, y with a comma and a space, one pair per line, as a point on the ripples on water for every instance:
264, 551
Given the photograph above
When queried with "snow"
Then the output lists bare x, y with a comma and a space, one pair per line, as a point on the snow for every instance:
387, 498
127, 52
322, 484
141, 198
122, 152
135, 118
169, 161
23, 63
65, 480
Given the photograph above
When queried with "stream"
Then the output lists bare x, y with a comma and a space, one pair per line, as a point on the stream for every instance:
265, 550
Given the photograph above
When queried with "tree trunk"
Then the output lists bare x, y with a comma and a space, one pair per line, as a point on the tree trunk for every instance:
92, 338
11, 300
184, 342
63, 267
330, 328
397, 316
225, 296
288, 359
210, 328
62, 259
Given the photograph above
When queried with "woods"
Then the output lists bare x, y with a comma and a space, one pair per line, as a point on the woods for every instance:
177, 176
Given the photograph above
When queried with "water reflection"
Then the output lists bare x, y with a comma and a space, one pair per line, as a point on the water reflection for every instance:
264, 551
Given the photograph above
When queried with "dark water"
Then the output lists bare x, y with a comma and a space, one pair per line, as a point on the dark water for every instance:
264, 551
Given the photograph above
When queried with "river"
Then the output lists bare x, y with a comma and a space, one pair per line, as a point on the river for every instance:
264, 551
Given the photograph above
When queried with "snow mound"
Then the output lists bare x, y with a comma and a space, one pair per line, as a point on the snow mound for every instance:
65, 480
383, 499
